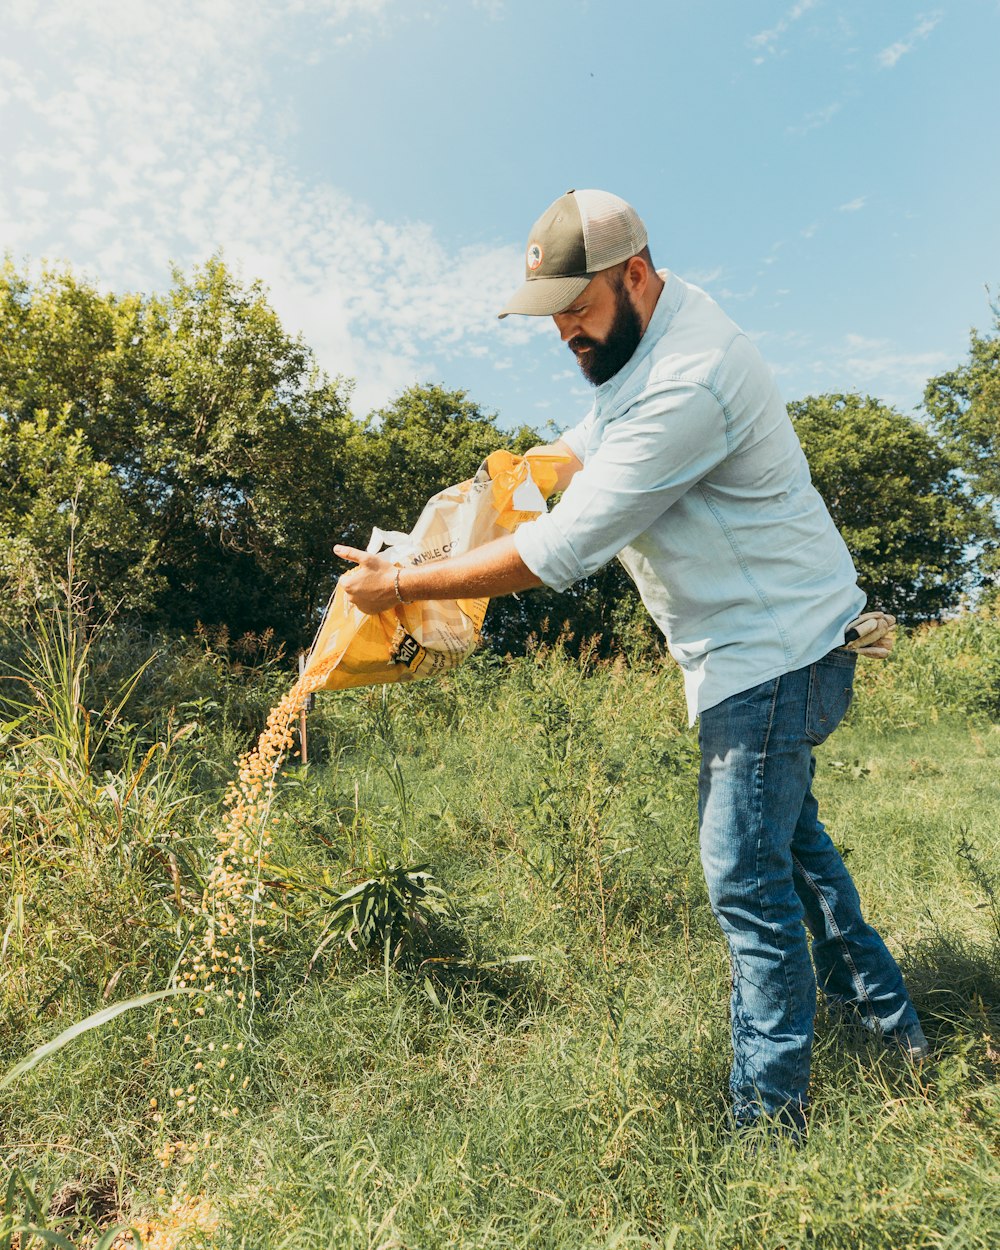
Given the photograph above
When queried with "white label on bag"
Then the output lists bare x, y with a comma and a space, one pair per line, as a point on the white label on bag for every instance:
527, 497
386, 538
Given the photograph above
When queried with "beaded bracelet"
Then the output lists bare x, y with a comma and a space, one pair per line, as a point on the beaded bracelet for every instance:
399, 597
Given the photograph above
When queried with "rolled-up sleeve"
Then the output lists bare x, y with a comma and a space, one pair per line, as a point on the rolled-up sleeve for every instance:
576, 438
648, 458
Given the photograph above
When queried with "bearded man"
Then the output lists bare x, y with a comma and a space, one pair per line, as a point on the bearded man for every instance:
688, 470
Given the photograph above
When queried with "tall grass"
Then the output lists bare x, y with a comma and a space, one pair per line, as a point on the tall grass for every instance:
95, 825
546, 1065
938, 671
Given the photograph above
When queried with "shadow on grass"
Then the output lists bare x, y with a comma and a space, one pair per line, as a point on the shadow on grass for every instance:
955, 985
495, 989
79, 1208
440, 964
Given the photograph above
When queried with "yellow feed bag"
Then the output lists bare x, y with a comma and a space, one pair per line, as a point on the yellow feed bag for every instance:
428, 637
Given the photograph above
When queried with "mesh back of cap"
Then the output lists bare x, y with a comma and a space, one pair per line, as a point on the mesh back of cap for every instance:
612, 229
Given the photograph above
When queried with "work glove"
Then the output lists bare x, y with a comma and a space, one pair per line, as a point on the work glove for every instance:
871, 634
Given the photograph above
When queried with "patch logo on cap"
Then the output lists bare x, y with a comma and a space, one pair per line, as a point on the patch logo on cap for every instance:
534, 256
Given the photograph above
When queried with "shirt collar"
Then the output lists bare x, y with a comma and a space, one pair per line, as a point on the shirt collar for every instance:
671, 298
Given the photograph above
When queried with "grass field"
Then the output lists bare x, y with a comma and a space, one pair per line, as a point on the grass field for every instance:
532, 1051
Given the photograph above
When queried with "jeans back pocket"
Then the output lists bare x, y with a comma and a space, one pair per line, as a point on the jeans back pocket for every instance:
831, 688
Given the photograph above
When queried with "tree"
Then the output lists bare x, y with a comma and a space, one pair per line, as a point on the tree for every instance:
964, 407
423, 441
894, 494
226, 449
52, 490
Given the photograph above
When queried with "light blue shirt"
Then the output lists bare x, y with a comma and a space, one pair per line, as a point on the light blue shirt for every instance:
693, 476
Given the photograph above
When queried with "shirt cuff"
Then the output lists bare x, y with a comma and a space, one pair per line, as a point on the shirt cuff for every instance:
548, 553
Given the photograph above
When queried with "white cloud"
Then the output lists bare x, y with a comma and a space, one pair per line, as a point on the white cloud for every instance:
141, 139
91, 225
783, 340
853, 206
765, 41
816, 119
772, 255
881, 367
375, 300
336, 10
876, 366
727, 294
879, 359
889, 56
703, 277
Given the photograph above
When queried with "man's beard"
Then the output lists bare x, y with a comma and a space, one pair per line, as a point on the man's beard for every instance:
604, 359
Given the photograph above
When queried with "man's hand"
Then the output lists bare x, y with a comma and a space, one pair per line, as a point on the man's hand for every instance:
371, 587
872, 634
493, 569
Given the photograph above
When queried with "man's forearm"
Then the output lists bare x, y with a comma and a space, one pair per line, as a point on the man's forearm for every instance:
494, 569
491, 570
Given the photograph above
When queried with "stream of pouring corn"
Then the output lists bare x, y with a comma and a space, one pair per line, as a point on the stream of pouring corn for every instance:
234, 902
220, 964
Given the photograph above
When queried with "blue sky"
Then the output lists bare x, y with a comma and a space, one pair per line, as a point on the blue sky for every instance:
828, 171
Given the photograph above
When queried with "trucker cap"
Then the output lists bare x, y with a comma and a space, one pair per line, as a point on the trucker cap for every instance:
575, 238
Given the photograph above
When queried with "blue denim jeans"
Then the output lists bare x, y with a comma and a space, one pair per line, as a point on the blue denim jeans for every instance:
772, 873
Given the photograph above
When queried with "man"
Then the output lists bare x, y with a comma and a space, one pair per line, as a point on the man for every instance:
688, 469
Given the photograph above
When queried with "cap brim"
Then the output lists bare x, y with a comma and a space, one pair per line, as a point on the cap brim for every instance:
541, 297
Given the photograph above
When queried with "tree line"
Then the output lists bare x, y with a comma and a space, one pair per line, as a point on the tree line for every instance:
195, 464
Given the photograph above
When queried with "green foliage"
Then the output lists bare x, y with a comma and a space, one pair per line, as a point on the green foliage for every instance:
387, 909
53, 490
93, 833
893, 492
936, 672
201, 468
423, 441
95, 1021
207, 454
28, 1219
964, 406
